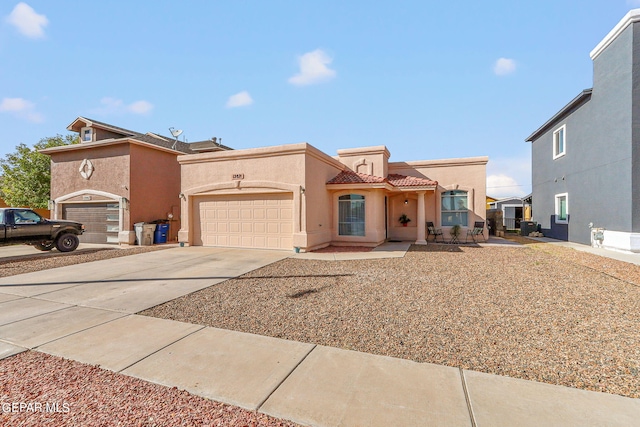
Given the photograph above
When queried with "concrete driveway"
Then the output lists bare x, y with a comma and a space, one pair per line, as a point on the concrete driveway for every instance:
127, 284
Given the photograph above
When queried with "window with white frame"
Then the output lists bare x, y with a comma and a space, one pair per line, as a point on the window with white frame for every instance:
86, 134
455, 208
562, 208
560, 142
351, 215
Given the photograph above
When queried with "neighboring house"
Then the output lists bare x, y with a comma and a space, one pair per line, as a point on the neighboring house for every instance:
296, 196
117, 177
490, 200
513, 211
586, 158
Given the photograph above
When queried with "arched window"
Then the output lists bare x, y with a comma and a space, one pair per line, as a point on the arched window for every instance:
351, 215
455, 209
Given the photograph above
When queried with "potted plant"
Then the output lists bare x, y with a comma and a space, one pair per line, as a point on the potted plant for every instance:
455, 231
404, 220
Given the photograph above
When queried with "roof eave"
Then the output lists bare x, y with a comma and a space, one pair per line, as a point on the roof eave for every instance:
584, 96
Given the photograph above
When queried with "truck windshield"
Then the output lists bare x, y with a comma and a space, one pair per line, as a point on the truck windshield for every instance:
1, 217
25, 216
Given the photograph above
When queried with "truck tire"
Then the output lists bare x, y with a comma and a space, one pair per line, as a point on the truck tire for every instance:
44, 246
67, 242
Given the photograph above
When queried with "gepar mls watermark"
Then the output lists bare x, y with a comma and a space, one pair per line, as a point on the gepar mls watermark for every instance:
44, 407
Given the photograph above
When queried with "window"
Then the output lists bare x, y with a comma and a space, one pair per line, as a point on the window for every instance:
351, 215
562, 208
559, 142
86, 134
455, 208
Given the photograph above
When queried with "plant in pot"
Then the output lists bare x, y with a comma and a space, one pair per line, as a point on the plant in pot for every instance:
455, 231
404, 220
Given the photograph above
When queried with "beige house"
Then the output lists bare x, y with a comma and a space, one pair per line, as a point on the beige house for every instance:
115, 178
281, 197
296, 196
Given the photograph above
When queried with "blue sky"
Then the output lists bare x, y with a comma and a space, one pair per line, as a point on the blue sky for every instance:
429, 80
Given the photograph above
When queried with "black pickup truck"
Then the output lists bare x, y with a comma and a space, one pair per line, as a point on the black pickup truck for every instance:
22, 225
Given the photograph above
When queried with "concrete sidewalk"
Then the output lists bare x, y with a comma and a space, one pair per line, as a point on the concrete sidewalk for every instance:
88, 317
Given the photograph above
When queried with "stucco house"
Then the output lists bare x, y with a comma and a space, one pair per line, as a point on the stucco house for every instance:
586, 158
116, 177
296, 196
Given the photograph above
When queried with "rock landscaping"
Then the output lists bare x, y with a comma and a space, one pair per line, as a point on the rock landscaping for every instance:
537, 312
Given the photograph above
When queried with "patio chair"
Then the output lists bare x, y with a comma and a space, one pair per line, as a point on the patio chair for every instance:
477, 230
432, 230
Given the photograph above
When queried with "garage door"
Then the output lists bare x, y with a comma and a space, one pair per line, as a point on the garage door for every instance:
101, 221
262, 221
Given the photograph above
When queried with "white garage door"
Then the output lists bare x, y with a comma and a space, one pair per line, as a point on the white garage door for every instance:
262, 221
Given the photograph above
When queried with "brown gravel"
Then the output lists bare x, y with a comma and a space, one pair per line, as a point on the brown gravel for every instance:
86, 395
46, 261
539, 312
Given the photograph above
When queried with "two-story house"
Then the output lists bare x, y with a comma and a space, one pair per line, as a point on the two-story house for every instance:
586, 158
117, 177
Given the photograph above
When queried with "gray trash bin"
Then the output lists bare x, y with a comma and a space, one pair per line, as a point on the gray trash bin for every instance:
144, 233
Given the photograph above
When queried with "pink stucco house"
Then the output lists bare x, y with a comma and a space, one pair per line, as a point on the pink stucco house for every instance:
116, 177
296, 196
281, 197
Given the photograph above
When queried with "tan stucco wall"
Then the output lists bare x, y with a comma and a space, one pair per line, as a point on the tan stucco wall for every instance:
155, 185
304, 171
367, 160
110, 174
468, 174
320, 223
269, 169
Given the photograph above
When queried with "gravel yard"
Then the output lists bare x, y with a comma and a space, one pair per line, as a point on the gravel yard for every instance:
85, 395
537, 312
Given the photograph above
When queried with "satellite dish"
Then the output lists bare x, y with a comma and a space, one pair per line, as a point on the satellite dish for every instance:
176, 133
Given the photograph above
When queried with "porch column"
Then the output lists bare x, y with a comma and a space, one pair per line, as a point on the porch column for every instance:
421, 220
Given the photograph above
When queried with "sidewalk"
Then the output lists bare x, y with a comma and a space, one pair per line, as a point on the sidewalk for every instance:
302, 382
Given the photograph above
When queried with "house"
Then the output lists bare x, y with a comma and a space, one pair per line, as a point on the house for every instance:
490, 200
513, 209
296, 196
586, 157
117, 177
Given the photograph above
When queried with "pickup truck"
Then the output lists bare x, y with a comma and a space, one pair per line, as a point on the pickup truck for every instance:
22, 225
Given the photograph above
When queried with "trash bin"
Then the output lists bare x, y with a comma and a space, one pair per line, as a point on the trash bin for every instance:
160, 235
527, 227
144, 233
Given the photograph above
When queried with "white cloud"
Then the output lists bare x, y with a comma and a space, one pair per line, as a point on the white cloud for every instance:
504, 66
313, 69
501, 185
508, 177
21, 108
140, 107
240, 99
111, 106
15, 104
27, 21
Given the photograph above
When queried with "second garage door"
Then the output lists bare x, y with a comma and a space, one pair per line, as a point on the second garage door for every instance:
263, 221
101, 221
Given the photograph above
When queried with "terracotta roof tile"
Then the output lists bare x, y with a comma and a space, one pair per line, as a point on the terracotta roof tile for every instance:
409, 181
350, 177
396, 180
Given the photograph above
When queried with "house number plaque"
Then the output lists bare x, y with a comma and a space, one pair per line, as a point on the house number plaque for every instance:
238, 176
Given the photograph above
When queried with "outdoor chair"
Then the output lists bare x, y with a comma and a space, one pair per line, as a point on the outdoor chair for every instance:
477, 230
432, 230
